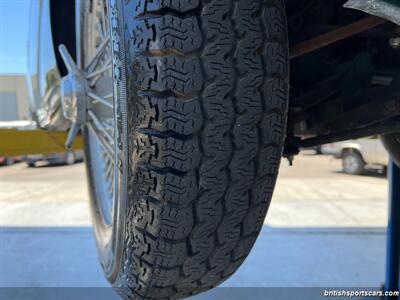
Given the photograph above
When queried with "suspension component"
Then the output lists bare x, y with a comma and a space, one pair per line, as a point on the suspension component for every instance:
335, 36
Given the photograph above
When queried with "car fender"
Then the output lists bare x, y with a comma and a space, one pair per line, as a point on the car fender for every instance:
351, 146
381, 8
51, 22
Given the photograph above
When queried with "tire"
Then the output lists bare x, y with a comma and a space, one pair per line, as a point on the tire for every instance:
385, 171
206, 89
8, 161
69, 158
353, 163
31, 164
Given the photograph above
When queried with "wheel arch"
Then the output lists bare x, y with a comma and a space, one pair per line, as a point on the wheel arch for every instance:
63, 29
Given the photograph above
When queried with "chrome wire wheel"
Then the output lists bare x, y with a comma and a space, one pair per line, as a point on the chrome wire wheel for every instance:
93, 96
100, 128
97, 61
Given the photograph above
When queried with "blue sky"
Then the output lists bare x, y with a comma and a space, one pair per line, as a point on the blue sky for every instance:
14, 20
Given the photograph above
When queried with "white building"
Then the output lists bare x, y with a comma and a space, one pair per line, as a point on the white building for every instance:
14, 102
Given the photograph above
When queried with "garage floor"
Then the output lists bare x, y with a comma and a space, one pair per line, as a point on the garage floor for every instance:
324, 229
65, 257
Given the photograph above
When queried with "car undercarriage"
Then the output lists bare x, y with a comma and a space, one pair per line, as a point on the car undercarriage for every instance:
344, 72
344, 64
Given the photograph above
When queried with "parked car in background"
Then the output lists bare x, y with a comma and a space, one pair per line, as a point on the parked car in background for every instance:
66, 158
7, 161
333, 149
357, 154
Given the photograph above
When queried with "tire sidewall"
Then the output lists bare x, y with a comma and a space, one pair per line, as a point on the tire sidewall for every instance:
9, 161
355, 158
69, 158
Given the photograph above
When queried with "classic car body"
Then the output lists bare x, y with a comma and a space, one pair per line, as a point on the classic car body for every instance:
53, 24
370, 149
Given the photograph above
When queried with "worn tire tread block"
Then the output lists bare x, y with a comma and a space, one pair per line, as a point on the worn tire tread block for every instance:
208, 105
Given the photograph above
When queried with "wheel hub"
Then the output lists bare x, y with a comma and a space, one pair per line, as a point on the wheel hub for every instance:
73, 96
74, 90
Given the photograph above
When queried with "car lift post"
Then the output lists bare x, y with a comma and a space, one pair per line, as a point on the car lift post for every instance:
393, 230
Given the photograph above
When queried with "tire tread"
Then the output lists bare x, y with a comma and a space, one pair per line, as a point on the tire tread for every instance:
207, 129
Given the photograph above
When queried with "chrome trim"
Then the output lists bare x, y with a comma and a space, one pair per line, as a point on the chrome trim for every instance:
379, 8
43, 77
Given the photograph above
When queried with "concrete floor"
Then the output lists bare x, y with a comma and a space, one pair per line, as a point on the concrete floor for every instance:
329, 257
312, 193
324, 229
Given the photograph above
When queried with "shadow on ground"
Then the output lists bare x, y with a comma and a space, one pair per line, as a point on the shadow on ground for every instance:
368, 173
282, 257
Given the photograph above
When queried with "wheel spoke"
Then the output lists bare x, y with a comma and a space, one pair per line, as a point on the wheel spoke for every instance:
98, 99
108, 150
109, 169
96, 75
95, 79
100, 51
108, 126
110, 172
100, 29
108, 96
103, 17
106, 68
100, 128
